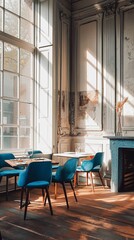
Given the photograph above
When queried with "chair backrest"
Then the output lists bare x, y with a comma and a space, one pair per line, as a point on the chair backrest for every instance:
32, 153
98, 159
36, 171
88, 165
69, 169
5, 156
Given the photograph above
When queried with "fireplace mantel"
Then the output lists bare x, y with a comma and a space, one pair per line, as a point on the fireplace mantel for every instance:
120, 137
116, 143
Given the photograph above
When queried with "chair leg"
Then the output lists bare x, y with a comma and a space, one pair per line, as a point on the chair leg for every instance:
43, 194
91, 177
65, 193
55, 189
26, 204
15, 180
73, 191
48, 196
101, 179
7, 188
87, 177
75, 179
45, 200
0, 236
21, 198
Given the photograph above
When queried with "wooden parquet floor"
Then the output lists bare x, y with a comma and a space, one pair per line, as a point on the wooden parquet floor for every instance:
100, 215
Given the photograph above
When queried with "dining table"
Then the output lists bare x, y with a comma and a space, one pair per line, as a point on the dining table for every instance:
26, 161
79, 155
73, 154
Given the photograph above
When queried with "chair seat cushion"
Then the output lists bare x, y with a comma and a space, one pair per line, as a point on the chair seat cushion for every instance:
96, 169
38, 184
10, 172
79, 169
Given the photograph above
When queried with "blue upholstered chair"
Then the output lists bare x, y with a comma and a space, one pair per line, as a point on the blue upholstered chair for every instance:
6, 170
91, 166
37, 175
65, 174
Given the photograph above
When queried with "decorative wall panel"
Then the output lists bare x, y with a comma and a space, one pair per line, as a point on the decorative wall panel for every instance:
63, 75
109, 75
89, 76
65, 80
128, 68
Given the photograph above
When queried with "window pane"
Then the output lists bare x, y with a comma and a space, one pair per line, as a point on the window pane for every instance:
1, 53
1, 3
10, 112
0, 85
11, 24
24, 137
16, 74
24, 142
0, 138
10, 57
26, 31
1, 19
0, 112
12, 5
24, 131
26, 63
27, 9
26, 89
25, 114
9, 137
10, 84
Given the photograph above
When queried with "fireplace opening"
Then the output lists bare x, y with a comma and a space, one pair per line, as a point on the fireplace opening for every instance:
126, 169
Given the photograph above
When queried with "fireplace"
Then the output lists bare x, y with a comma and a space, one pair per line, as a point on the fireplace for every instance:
122, 163
126, 165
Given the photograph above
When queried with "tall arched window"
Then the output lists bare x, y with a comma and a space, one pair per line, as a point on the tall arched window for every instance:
16, 74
